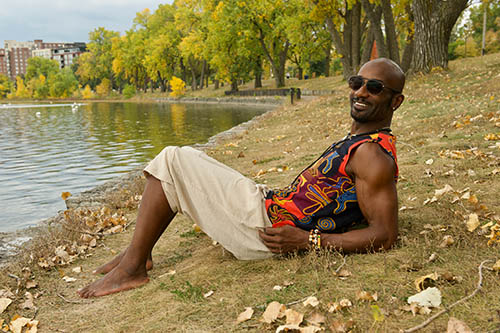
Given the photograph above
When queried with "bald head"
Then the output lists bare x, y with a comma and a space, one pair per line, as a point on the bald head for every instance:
394, 77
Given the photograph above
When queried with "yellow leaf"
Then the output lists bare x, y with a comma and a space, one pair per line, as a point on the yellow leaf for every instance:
377, 313
447, 241
366, 296
496, 266
473, 199
423, 282
245, 315
312, 301
272, 312
65, 195
473, 222
293, 317
4, 303
316, 319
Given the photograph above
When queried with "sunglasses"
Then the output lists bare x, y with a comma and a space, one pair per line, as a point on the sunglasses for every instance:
374, 87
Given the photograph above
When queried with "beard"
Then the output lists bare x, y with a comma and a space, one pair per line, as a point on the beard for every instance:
372, 114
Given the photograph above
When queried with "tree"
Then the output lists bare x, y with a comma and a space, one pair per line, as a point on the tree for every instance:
62, 84
434, 21
41, 66
96, 64
5, 86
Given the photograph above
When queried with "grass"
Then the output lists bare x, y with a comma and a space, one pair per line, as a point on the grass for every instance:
445, 112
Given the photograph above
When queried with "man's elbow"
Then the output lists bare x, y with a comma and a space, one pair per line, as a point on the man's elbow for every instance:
389, 240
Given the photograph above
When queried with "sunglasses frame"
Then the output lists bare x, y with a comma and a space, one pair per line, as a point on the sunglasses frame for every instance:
366, 81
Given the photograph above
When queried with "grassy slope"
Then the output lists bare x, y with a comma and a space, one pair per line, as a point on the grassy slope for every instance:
292, 136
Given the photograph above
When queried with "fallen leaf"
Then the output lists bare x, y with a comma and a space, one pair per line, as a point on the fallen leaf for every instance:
77, 269
316, 319
312, 301
473, 199
457, 326
415, 309
430, 297
6, 293
366, 296
272, 312
293, 317
423, 282
277, 288
447, 241
472, 222
439, 193
288, 328
4, 303
345, 303
68, 279
429, 161
31, 284
65, 195
28, 303
344, 273
432, 257
496, 266
208, 294
377, 313
245, 315
339, 326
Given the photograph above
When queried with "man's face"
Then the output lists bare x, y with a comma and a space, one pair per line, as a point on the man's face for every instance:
367, 107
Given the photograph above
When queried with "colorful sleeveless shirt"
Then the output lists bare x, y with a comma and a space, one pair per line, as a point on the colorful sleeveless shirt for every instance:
323, 196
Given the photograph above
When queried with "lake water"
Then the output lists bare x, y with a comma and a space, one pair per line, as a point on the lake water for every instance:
47, 150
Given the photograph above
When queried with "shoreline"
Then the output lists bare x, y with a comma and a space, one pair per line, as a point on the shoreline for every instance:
11, 242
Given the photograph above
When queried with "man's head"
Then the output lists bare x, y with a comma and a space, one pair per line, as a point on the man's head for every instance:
376, 92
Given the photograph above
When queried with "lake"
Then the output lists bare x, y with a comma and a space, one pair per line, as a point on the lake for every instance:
49, 149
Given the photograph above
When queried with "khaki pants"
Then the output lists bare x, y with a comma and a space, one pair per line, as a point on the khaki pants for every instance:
226, 205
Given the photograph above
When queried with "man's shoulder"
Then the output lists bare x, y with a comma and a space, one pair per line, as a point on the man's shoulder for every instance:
371, 160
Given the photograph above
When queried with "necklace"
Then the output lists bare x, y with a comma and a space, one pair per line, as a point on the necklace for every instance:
385, 129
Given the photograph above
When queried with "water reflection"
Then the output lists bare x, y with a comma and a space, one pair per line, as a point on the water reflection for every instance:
47, 150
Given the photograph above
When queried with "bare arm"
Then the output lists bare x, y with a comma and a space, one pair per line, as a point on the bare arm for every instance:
373, 173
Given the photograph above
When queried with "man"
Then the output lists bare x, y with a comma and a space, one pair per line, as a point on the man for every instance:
353, 181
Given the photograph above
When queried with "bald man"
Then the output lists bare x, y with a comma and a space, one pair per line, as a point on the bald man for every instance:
351, 184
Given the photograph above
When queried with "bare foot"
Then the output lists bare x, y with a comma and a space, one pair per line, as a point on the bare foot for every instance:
107, 267
118, 279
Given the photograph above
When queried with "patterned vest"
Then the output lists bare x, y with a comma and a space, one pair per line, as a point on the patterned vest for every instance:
323, 196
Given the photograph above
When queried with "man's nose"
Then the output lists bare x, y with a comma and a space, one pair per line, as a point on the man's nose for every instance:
362, 91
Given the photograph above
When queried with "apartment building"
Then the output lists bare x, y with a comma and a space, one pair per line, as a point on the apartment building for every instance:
3, 63
16, 54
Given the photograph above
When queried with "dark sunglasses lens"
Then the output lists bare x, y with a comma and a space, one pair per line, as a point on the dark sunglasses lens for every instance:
355, 82
374, 87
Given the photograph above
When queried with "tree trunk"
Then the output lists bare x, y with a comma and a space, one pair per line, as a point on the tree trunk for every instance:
258, 73
234, 84
216, 84
202, 75
355, 14
408, 50
390, 31
183, 70
340, 47
367, 48
328, 58
374, 14
434, 20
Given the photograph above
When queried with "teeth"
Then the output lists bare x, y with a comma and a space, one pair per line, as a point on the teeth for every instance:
360, 104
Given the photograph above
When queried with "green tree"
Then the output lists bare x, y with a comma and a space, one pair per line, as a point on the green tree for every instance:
41, 66
96, 64
6, 86
62, 84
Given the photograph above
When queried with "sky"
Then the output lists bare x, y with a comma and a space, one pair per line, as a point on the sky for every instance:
67, 20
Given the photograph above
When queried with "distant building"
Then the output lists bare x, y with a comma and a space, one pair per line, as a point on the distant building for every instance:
3, 63
16, 54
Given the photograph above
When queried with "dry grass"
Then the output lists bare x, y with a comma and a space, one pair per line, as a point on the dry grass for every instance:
441, 113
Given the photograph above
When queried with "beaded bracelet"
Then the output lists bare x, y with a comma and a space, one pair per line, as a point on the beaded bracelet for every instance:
315, 239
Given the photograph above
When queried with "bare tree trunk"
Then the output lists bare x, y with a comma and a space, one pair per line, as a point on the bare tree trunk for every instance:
390, 31
434, 20
374, 14
328, 58
408, 50
234, 84
216, 84
367, 48
258, 73
355, 14
202, 75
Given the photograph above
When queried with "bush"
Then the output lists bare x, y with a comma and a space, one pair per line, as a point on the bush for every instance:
87, 93
129, 91
178, 87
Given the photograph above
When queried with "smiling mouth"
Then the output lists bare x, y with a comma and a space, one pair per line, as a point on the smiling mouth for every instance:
360, 106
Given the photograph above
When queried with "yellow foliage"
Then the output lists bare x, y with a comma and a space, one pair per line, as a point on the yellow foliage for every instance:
104, 88
21, 91
87, 93
178, 87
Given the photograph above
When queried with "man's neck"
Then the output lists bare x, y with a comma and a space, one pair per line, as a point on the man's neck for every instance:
358, 128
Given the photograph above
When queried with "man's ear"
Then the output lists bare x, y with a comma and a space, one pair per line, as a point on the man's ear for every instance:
396, 101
